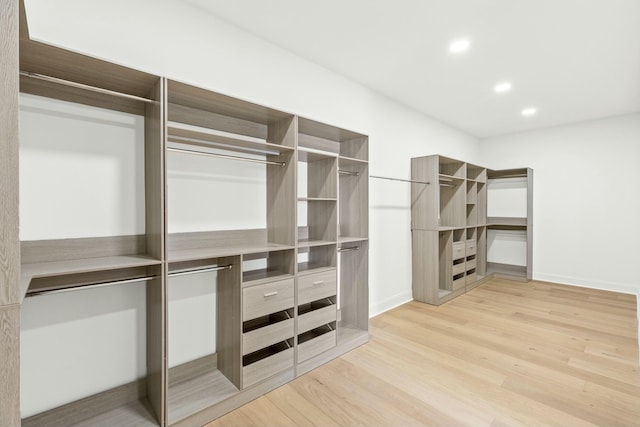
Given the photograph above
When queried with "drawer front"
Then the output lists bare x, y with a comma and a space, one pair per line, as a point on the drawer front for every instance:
313, 287
458, 268
470, 264
457, 284
316, 318
315, 346
266, 336
471, 248
458, 250
471, 278
266, 299
267, 367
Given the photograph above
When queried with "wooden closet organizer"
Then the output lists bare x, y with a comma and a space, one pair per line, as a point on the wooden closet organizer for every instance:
449, 227
308, 305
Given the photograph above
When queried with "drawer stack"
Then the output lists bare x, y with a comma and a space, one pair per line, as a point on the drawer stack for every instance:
464, 264
267, 330
317, 313
470, 261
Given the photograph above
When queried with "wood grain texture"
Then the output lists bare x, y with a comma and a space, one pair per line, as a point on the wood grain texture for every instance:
529, 273
229, 323
267, 367
353, 199
322, 178
123, 405
321, 130
40, 251
9, 239
503, 354
281, 186
268, 298
267, 335
157, 345
315, 346
193, 116
354, 288
10, 365
425, 265
155, 172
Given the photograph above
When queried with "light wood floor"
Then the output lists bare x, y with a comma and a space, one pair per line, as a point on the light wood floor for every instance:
504, 354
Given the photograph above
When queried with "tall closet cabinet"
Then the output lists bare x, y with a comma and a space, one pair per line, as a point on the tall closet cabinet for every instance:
288, 296
454, 240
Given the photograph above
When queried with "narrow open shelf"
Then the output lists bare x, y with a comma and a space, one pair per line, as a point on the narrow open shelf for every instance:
305, 268
312, 155
507, 223
306, 243
257, 277
345, 161
449, 178
134, 413
190, 396
205, 137
317, 199
515, 271
105, 265
348, 239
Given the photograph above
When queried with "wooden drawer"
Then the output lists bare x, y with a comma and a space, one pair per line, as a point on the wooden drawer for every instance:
471, 278
267, 367
471, 248
315, 318
266, 336
312, 287
458, 250
458, 283
266, 299
317, 345
470, 264
458, 268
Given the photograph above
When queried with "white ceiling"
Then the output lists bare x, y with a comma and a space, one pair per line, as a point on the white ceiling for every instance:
573, 60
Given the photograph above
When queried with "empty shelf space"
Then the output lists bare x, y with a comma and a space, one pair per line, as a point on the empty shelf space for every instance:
137, 413
108, 265
517, 271
317, 199
189, 254
213, 138
256, 277
349, 239
312, 155
193, 395
346, 161
494, 221
310, 243
305, 268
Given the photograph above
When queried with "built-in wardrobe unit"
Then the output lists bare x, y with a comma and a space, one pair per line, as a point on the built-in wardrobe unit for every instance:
453, 239
288, 296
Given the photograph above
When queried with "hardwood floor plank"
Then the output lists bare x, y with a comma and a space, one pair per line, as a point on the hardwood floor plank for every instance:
506, 354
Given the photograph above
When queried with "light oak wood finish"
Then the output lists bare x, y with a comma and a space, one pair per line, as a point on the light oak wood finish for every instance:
268, 298
267, 335
9, 240
10, 365
505, 354
312, 287
267, 367
425, 198
43, 251
229, 324
316, 318
354, 291
353, 199
316, 345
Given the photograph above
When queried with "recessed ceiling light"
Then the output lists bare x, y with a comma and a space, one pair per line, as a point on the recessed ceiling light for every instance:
530, 111
502, 87
459, 46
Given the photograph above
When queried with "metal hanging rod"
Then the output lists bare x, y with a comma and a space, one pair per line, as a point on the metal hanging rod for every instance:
226, 156
201, 270
353, 248
344, 172
402, 180
85, 87
92, 286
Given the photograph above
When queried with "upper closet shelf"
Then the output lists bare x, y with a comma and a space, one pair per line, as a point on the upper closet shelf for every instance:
192, 254
312, 155
507, 221
200, 136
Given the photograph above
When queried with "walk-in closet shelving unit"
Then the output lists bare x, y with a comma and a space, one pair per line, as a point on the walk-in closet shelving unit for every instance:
449, 227
287, 298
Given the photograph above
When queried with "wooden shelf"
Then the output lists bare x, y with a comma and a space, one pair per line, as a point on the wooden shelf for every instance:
311, 243
211, 138
257, 277
196, 394
346, 161
306, 268
192, 254
349, 239
136, 413
79, 266
317, 199
312, 155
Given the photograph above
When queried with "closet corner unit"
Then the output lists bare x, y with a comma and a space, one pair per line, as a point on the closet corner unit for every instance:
452, 237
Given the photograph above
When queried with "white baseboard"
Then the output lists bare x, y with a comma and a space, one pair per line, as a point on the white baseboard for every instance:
624, 288
389, 303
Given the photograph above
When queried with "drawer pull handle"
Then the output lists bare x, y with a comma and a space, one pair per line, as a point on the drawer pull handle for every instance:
319, 282
271, 294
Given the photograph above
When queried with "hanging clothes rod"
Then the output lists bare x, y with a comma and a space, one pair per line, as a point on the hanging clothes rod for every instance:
402, 180
344, 172
92, 286
85, 87
226, 156
201, 270
353, 248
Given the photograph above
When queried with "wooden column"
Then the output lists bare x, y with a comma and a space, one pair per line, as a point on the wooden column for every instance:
9, 239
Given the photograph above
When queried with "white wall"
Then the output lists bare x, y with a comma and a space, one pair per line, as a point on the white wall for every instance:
585, 199
172, 39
